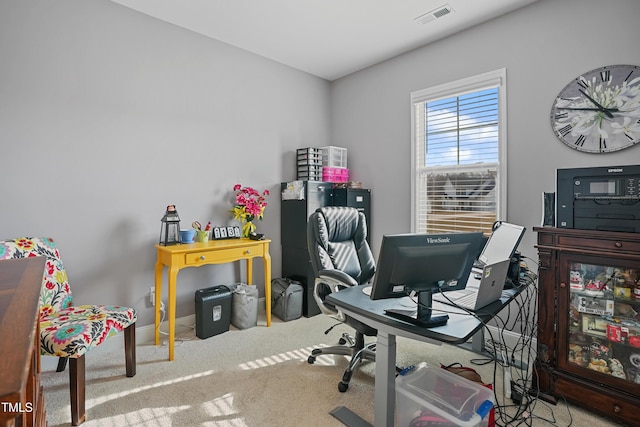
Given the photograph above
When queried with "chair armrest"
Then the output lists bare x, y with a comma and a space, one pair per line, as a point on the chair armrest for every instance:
339, 276
327, 282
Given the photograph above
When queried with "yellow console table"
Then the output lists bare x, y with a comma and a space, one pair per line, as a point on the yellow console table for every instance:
178, 257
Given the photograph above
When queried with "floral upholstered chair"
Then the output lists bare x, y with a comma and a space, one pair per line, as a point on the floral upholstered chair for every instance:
69, 331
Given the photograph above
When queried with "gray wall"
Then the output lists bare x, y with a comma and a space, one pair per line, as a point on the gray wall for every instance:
107, 116
542, 46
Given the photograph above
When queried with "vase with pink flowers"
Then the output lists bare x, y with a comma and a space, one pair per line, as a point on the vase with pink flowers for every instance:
249, 206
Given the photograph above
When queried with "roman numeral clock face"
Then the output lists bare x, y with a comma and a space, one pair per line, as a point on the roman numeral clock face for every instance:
599, 111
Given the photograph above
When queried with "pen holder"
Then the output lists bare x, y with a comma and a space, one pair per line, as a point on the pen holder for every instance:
202, 236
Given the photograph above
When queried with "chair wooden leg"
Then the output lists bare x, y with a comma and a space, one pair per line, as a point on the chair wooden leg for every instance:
77, 386
62, 364
130, 349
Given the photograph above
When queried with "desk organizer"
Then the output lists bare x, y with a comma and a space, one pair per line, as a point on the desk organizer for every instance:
430, 395
308, 164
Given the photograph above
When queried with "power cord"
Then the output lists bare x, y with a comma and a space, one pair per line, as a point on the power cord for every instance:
516, 406
163, 311
187, 335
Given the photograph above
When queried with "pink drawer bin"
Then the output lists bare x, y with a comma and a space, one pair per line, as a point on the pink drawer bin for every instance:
330, 174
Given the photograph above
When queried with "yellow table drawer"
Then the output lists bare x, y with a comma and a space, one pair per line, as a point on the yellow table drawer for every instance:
223, 255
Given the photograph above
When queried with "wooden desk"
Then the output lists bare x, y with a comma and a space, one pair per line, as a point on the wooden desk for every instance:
20, 390
178, 257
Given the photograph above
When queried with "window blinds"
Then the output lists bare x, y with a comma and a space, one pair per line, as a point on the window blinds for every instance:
457, 161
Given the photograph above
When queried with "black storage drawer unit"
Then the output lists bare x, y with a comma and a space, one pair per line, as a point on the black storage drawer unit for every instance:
213, 311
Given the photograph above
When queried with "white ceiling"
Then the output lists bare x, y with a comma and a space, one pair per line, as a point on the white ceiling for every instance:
327, 38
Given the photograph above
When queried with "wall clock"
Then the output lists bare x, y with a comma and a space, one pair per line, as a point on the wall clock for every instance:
599, 111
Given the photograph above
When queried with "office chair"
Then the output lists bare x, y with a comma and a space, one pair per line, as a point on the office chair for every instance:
68, 331
341, 258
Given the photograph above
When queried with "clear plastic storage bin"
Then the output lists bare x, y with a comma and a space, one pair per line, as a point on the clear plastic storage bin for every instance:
334, 157
434, 395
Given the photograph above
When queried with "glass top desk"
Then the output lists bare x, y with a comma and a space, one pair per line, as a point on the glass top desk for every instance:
459, 329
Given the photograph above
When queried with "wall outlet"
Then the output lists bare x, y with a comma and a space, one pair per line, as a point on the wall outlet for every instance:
152, 295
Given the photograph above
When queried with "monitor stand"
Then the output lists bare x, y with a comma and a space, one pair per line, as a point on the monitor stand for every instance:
421, 315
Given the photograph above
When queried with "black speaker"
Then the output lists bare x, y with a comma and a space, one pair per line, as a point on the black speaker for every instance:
514, 268
548, 209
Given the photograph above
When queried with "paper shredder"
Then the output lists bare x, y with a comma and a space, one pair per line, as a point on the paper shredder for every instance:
213, 311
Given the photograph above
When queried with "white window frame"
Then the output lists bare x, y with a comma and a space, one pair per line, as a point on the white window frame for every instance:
496, 78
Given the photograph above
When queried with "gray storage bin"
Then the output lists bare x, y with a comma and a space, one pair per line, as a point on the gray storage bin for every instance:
244, 310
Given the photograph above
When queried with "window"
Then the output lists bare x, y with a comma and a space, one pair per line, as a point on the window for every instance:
459, 152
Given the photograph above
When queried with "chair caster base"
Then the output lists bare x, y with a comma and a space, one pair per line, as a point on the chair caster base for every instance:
346, 379
311, 360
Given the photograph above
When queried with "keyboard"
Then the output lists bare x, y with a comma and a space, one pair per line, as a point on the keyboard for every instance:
467, 301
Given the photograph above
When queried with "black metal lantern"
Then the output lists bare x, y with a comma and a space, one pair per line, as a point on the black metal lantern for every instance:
170, 230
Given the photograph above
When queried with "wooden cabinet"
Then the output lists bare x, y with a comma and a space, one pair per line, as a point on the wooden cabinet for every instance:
589, 320
21, 396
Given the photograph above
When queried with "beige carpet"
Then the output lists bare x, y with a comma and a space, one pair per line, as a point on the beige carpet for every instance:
257, 377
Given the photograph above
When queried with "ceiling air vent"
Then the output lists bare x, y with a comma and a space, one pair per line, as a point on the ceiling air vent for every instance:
434, 14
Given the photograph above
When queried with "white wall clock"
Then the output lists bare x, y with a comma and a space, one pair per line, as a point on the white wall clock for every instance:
599, 111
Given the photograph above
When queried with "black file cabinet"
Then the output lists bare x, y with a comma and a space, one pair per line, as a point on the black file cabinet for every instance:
359, 198
293, 230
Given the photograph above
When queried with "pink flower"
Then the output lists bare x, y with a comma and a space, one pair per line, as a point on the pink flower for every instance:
249, 203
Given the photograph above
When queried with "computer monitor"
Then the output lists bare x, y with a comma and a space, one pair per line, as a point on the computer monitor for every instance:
424, 263
502, 243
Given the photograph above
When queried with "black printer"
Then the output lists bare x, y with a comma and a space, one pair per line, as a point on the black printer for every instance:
599, 198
